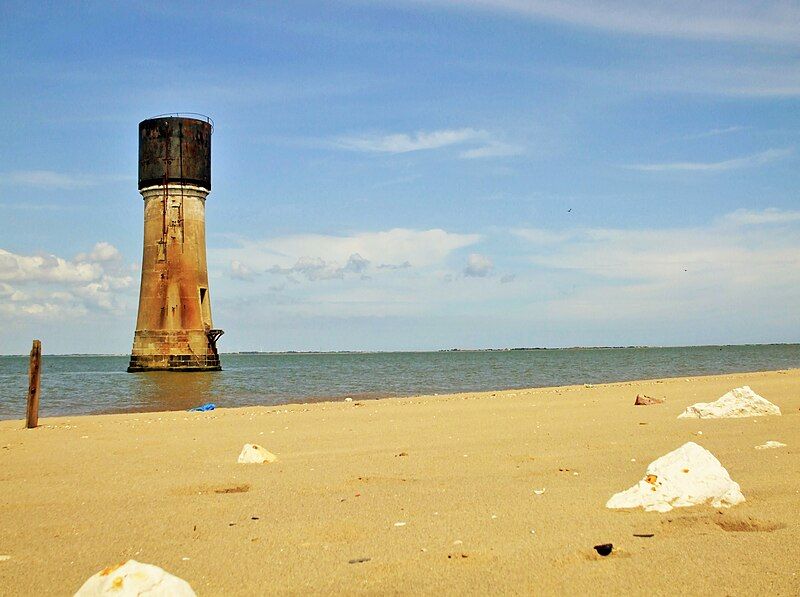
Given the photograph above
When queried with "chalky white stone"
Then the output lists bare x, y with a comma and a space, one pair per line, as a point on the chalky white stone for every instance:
738, 403
688, 476
255, 454
133, 579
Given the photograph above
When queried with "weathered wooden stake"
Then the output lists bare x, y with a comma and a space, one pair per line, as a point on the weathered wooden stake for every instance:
34, 368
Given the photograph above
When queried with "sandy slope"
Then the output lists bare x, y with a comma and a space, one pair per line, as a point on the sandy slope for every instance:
164, 488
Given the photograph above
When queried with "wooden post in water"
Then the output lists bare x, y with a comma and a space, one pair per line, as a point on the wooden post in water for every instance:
34, 369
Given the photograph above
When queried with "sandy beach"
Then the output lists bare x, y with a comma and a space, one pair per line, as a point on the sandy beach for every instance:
431, 494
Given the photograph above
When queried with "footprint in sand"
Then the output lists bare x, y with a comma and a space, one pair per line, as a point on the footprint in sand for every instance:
748, 525
726, 522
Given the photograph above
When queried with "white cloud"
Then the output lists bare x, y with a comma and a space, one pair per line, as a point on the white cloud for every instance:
403, 143
240, 271
478, 266
329, 256
45, 285
45, 268
736, 265
102, 251
316, 268
10, 293
770, 21
356, 264
756, 159
390, 273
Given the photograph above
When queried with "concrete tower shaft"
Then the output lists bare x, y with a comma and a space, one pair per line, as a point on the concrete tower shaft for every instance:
174, 328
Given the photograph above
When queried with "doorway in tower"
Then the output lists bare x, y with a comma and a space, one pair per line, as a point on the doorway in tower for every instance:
205, 307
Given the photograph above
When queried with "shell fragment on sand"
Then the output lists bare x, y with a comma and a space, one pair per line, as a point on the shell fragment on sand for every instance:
255, 454
688, 476
739, 402
770, 444
134, 578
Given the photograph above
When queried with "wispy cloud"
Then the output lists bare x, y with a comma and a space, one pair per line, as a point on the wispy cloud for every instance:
49, 179
735, 266
756, 159
493, 149
404, 143
715, 132
484, 143
773, 21
746, 217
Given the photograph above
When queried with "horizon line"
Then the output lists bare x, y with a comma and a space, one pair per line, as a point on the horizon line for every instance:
436, 350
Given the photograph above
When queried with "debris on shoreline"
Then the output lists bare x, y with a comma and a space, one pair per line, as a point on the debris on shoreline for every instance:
134, 578
739, 402
642, 400
687, 476
255, 454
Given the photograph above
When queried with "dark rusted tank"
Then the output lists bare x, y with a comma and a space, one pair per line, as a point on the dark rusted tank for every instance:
175, 149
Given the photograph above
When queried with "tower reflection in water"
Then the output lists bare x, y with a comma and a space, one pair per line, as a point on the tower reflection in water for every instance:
162, 391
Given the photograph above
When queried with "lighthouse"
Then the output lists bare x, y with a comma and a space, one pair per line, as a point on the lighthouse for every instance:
174, 329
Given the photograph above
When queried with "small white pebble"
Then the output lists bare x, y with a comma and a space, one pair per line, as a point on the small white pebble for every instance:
539, 491
400, 524
457, 542
4, 558
185, 559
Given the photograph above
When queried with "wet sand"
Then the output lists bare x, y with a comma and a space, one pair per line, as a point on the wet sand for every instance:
431, 494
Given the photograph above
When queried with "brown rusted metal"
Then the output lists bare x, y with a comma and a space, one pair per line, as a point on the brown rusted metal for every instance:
175, 149
174, 319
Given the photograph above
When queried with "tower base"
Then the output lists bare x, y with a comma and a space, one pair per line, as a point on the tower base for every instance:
184, 350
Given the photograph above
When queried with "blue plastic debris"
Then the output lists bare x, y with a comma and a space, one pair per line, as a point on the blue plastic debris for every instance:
203, 407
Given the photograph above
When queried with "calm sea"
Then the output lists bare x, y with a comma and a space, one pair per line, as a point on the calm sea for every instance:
99, 384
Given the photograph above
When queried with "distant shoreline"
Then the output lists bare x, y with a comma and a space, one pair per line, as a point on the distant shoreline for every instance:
437, 351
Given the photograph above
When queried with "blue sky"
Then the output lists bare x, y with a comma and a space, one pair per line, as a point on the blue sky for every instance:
413, 175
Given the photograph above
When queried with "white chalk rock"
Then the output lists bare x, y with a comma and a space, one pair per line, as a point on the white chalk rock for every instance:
132, 579
740, 402
688, 476
255, 454
770, 444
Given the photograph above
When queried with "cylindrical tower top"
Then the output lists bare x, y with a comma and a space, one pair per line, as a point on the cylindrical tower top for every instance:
175, 149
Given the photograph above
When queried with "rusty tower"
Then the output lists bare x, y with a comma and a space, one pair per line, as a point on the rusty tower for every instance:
174, 331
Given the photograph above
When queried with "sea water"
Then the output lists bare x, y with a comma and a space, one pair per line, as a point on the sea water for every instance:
74, 385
